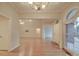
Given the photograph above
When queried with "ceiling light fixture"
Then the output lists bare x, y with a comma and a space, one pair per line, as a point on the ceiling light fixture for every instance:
38, 30
21, 22
35, 7
43, 6
30, 20
30, 2
38, 5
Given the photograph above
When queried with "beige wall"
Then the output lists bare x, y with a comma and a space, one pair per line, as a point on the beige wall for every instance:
4, 33
58, 33
15, 36
31, 27
11, 40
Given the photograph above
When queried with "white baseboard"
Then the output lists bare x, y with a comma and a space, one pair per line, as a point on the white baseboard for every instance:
14, 48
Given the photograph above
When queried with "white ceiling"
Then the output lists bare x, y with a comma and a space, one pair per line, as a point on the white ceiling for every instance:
53, 10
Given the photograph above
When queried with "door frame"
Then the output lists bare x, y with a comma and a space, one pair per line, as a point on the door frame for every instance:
43, 34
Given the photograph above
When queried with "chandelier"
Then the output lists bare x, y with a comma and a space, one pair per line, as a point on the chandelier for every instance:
38, 5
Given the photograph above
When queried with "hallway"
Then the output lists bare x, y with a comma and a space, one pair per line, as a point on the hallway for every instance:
35, 47
25, 29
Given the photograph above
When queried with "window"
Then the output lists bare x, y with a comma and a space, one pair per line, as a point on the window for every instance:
76, 35
71, 14
72, 36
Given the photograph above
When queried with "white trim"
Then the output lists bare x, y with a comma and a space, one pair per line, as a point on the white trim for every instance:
14, 48
5, 15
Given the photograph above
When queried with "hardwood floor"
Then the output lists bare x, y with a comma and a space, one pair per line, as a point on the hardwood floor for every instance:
35, 47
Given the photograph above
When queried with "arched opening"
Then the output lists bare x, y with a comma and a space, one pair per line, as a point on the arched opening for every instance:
72, 31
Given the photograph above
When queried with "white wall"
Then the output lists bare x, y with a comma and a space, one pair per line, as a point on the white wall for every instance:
31, 27
10, 13
58, 33
15, 36
4, 33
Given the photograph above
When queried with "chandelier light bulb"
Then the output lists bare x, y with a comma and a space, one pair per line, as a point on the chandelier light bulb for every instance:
30, 2
43, 6
30, 20
35, 7
21, 22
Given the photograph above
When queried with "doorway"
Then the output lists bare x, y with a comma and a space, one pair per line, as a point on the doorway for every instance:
72, 36
47, 32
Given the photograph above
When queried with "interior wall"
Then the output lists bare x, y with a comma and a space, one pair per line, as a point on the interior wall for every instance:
58, 33
15, 36
28, 29
4, 33
10, 13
